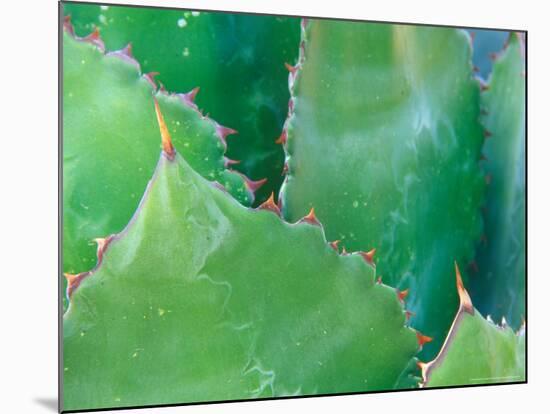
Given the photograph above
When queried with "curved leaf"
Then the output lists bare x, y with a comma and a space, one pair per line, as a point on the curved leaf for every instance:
189, 304
476, 351
108, 139
237, 59
498, 280
383, 140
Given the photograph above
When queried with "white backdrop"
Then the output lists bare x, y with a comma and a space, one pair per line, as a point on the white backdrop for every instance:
28, 206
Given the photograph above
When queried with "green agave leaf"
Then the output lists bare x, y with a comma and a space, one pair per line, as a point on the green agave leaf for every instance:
108, 139
485, 44
476, 351
498, 280
238, 59
189, 304
383, 140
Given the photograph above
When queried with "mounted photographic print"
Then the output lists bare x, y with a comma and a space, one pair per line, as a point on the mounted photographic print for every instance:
262, 206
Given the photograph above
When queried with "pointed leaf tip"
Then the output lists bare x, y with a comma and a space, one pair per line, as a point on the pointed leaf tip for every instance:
270, 205
166, 140
465, 301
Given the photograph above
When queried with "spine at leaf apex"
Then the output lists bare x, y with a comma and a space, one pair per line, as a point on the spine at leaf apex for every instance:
166, 140
465, 301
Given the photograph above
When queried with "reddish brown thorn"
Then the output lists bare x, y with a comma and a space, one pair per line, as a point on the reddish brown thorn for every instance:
487, 134
368, 256
166, 140
422, 339
282, 138
465, 301
285, 169
191, 95
290, 68
150, 77
253, 185
68, 26
189, 98
421, 365
472, 35
344, 252
126, 55
127, 51
102, 244
402, 294
222, 132
408, 315
310, 218
488, 179
303, 23
473, 266
493, 56
302, 50
290, 105
73, 281
95, 39
379, 280
227, 162
270, 205
476, 69
334, 245
482, 84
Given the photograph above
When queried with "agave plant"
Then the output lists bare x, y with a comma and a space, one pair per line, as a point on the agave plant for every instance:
387, 181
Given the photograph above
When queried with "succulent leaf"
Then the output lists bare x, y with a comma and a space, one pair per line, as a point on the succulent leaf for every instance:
188, 304
237, 59
476, 351
498, 277
109, 130
383, 140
